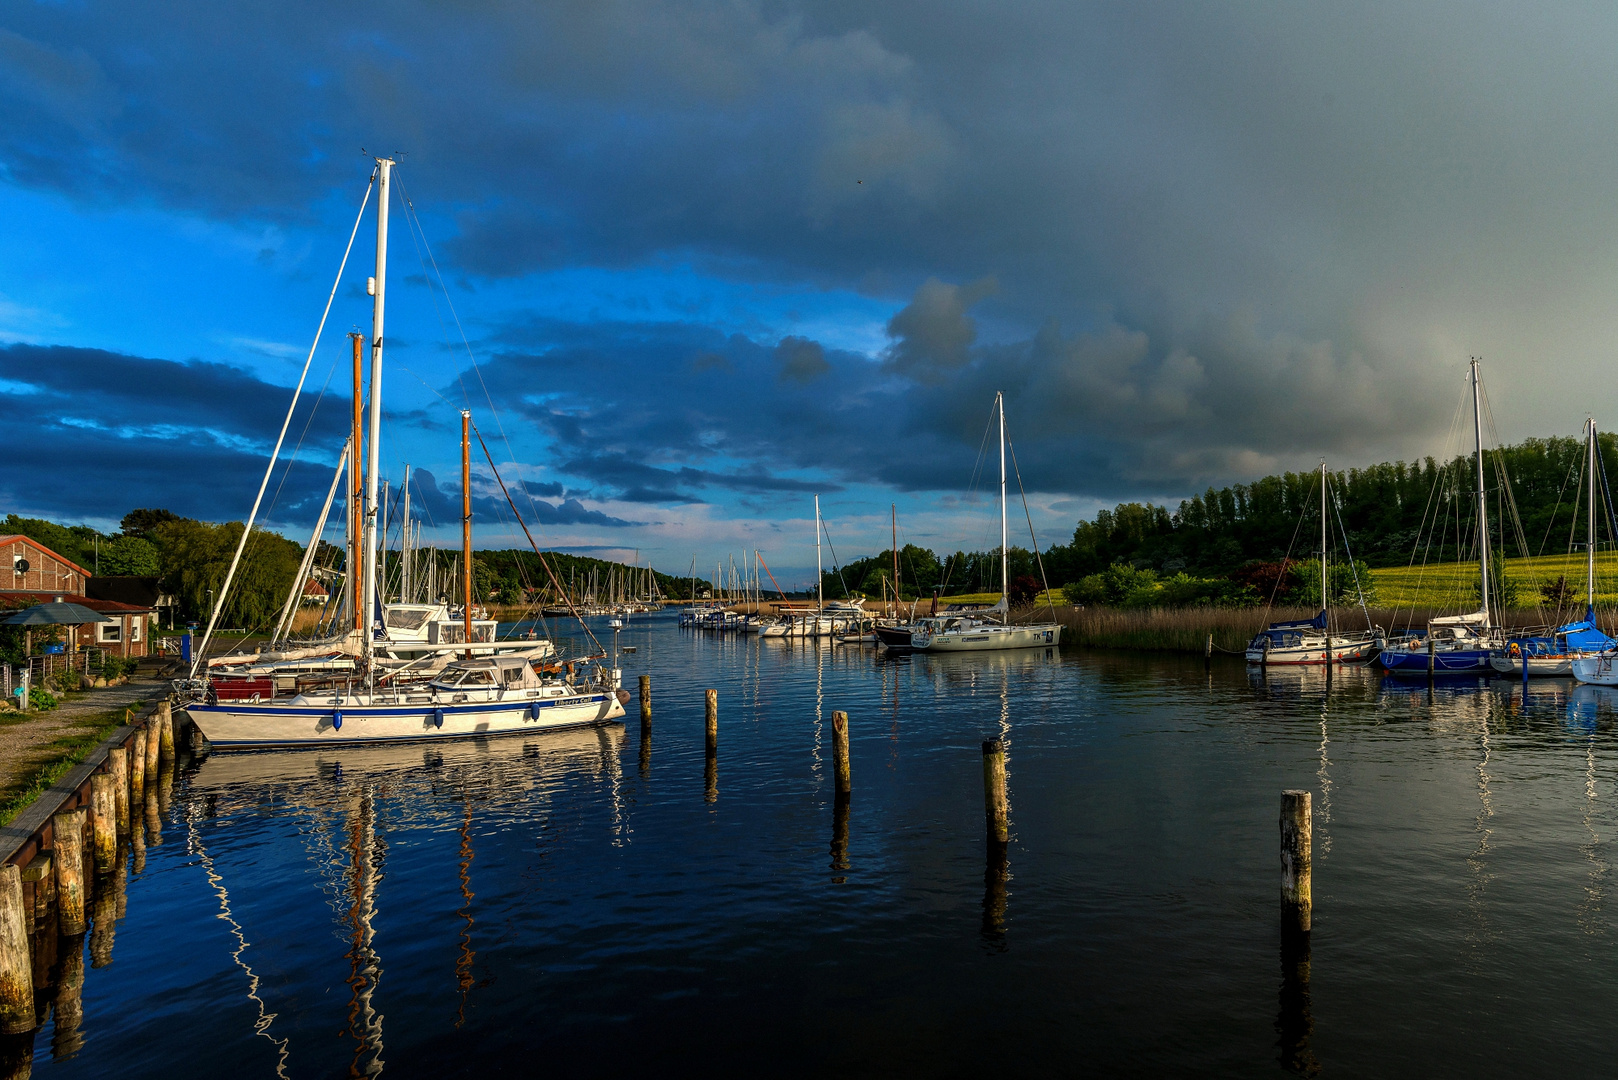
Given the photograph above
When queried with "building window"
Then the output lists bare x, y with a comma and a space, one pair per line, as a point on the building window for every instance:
110, 632
134, 629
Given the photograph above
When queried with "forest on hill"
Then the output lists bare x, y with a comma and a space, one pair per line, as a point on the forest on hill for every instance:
1246, 542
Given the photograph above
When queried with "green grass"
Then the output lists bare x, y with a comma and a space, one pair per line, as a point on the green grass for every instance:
55, 758
1453, 586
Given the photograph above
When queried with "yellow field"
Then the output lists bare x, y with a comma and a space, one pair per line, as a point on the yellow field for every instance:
1454, 585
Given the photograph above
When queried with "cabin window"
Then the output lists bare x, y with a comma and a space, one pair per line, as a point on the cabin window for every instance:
110, 632
513, 675
478, 678
405, 619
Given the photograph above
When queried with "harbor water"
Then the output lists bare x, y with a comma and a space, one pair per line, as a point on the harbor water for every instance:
587, 903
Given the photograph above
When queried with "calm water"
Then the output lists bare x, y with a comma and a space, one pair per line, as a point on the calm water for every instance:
585, 904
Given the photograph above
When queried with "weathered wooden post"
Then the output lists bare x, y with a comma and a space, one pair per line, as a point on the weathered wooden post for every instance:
1207, 652
16, 965
839, 752
154, 740
42, 873
1432, 653
713, 722
995, 807
137, 767
118, 766
67, 830
645, 701
165, 727
1297, 900
103, 820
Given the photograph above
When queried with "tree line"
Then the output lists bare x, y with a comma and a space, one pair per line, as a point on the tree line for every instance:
1248, 543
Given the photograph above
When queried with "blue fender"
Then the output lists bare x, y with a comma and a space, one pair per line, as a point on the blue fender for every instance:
337, 719
438, 718
533, 710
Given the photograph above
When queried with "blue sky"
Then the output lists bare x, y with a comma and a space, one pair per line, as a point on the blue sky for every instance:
712, 258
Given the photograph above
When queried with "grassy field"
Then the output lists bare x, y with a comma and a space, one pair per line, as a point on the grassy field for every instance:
50, 761
1454, 585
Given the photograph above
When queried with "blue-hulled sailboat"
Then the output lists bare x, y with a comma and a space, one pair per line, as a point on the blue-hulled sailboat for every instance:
1457, 644
1554, 653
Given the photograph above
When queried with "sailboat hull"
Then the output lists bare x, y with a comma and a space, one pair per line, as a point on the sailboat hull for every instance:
988, 638
239, 725
1413, 663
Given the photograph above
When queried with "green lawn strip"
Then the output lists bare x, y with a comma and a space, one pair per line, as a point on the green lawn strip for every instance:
60, 755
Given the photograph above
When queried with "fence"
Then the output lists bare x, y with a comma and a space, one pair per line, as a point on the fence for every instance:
84, 661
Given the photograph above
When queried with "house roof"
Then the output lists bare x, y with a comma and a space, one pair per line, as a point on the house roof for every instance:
17, 599
13, 538
314, 588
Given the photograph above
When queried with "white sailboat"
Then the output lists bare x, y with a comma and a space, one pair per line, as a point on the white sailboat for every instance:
474, 696
992, 628
1311, 641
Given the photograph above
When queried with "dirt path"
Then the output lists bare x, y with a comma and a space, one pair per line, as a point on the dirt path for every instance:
30, 741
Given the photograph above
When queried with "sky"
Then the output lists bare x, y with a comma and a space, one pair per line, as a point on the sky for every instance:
690, 264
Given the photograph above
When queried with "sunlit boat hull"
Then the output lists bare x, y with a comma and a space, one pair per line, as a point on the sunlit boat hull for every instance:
241, 725
988, 638
1344, 652
1537, 665
1598, 670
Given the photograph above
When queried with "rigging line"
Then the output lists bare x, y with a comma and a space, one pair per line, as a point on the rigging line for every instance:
1286, 560
1034, 539
835, 568
269, 469
499, 424
1337, 509
1560, 494
542, 560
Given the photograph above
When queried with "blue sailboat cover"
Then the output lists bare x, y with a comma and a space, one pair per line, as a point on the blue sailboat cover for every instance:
1283, 634
1581, 636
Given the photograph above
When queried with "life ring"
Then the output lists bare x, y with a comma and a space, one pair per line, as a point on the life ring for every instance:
1515, 650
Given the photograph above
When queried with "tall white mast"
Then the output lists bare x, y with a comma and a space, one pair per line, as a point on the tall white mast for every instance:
373, 447
1325, 603
820, 599
1000, 400
1483, 497
405, 552
1590, 527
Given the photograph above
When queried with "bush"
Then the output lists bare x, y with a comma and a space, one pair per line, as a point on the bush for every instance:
41, 698
63, 681
1124, 586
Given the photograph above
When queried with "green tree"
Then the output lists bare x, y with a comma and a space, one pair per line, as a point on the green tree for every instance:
129, 555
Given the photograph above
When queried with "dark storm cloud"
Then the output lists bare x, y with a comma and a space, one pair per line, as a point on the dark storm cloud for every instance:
440, 504
1220, 237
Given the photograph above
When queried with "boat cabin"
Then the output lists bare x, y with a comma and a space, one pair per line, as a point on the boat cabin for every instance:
488, 673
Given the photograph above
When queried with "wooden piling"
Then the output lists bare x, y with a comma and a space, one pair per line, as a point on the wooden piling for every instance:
645, 700
996, 810
118, 767
16, 965
1207, 652
103, 820
713, 722
1432, 654
41, 872
1297, 901
839, 752
137, 767
67, 829
154, 740
165, 726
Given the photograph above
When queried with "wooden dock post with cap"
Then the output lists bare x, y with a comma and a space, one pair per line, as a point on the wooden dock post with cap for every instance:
137, 766
103, 820
118, 767
839, 752
16, 965
67, 831
713, 722
995, 806
1297, 899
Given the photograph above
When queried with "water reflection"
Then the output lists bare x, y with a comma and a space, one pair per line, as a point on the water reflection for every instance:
839, 838
1295, 1021
463, 963
365, 966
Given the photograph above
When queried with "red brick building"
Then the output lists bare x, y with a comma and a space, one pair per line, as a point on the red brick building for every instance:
50, 577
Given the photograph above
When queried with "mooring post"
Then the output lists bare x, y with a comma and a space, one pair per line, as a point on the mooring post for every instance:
1432, 653
16, 965
1525, 671
995, 807
165, 727
104, 820
154, 740
67, 830
645, 701
1207, 652
118, 766
713, 722
1297, 899
137, 767
40, 873
839, 752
